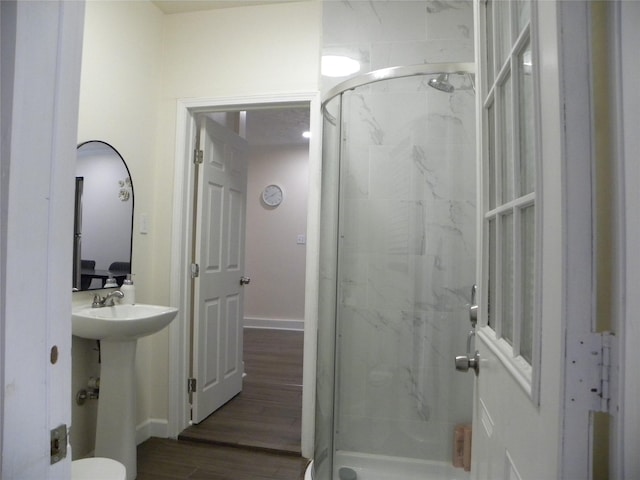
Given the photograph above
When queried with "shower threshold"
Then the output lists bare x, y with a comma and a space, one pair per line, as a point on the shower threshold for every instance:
381, 467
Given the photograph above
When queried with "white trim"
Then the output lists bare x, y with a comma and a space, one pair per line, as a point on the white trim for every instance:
627, 460
312, 279
510, 470
519, 203
517, 366
179, 415
179, 410
536, 364
576, 208
152, 427
274, 323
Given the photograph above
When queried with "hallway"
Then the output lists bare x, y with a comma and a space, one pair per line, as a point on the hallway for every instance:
256, 435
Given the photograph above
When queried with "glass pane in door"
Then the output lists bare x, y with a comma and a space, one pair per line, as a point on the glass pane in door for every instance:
506, 144
506, 292
502, 30
526, 115
523, 13
490, 71
491, 154
491, 281
527, 220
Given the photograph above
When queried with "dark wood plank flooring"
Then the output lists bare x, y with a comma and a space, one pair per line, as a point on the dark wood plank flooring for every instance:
166, 459
255, 435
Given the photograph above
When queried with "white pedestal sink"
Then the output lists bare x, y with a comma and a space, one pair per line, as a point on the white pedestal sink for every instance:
118, 329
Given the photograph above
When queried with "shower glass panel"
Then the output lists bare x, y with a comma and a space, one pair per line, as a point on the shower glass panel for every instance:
397, 266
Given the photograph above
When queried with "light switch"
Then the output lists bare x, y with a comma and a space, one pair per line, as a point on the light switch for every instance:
144, 223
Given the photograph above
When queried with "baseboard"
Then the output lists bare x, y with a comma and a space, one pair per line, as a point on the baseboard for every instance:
273, 323
153, 427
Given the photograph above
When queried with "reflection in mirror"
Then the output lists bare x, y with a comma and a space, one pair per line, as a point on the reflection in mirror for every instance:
103, 223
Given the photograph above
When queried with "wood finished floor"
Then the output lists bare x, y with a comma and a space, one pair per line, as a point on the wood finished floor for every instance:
256, 435
166, 459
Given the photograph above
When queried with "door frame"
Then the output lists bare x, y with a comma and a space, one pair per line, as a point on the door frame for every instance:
183, 191
571, 36
627, 69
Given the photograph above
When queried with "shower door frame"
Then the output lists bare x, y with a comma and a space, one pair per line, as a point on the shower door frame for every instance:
369, 78
395, 73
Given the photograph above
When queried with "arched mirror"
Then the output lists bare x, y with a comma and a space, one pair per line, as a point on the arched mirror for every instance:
103, 223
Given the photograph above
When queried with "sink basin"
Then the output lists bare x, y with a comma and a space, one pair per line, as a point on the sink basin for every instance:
120, 322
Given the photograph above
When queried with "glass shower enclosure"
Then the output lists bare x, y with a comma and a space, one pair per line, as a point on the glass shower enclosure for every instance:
397, 266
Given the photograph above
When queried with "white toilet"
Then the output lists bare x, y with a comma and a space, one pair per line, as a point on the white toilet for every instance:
97, 468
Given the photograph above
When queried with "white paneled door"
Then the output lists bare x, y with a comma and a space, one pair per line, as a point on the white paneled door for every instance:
219, 256
534, 387
40, 76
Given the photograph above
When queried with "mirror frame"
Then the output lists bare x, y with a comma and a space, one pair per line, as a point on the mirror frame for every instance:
76, 280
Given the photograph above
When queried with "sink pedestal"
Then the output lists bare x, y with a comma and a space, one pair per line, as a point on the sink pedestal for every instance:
118, 328
116, 426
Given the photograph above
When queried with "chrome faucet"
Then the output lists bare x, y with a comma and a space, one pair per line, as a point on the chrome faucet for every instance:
107, 301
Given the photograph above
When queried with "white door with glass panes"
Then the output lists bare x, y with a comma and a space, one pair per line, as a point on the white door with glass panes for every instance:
519, 413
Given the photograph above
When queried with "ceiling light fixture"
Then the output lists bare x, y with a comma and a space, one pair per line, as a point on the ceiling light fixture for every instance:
338, 66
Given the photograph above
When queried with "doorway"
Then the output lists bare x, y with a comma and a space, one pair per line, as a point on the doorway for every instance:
180, 348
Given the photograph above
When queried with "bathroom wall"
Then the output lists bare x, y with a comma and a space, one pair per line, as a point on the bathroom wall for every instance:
136, 63
119, 95
274, 260
227, 53
407, 238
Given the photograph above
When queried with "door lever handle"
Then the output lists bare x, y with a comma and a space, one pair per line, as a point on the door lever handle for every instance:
244, 280
473, 308
470, 335
468, 361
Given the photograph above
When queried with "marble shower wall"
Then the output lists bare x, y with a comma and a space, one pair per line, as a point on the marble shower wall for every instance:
392, 33
407, 230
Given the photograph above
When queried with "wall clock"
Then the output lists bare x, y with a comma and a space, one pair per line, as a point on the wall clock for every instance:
272, 195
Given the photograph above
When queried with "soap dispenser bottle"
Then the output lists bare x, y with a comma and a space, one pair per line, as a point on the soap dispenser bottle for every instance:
129, 291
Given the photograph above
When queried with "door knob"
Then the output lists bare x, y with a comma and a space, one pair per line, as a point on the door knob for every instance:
244, 280
466, 362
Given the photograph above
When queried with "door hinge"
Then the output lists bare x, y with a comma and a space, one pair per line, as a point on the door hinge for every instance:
198, 156
58, 439
591, 371
195, 270
191, 385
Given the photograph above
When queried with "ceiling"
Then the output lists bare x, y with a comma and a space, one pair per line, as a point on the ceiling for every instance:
183, 6
282, 126
271, 126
